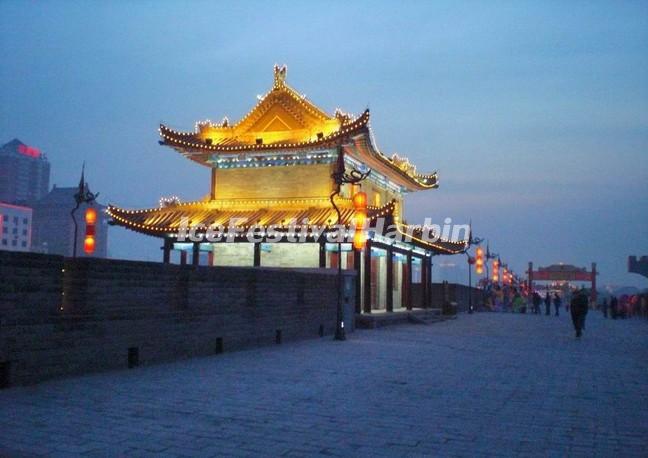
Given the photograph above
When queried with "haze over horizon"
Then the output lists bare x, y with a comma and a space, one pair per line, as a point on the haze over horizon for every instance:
534, 114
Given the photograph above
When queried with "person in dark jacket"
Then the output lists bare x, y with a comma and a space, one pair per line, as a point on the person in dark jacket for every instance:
536, 303
605, 308
578, 308
614, 307
547, 301
557, 303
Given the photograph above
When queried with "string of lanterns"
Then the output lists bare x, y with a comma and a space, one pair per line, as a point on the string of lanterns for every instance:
500, 272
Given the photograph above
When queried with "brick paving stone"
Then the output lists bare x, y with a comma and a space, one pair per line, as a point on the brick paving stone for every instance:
481, 385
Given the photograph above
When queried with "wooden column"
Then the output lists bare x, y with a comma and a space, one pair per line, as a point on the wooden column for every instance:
212, 193
408, 281
357, 256
257, 254
429, 282
366, 306
423, 287
322, 254
166, 250
389, 306
195, 255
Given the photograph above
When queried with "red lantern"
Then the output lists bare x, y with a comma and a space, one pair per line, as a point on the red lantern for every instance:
90, 231
360, 220
479, 261
91, 216
359, 240
89, 244
495, 277
360, 201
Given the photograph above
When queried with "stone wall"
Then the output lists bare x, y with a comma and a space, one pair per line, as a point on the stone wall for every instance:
445, 293
60, 316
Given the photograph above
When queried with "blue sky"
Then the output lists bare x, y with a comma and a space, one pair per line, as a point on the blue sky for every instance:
534, 113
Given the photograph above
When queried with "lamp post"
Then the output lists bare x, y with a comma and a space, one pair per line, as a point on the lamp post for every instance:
489, 256
471, 261
82, 196
340, 177
471, 241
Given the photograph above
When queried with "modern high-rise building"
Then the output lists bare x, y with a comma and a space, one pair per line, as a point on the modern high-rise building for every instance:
15, 227
53, 227
24, 173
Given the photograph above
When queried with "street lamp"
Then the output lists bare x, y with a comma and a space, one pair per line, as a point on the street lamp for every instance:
471, 241
490, 256
82, 196
340, 177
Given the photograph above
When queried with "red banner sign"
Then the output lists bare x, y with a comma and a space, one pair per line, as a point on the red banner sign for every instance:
567, 275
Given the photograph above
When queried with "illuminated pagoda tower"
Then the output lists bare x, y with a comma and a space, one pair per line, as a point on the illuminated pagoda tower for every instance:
276, 166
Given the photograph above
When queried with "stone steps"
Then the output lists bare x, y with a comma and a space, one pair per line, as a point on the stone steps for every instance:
417, 316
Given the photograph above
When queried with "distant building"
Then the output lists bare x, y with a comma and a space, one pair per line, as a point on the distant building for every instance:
53, 228
24, 173
638, 266
15, 227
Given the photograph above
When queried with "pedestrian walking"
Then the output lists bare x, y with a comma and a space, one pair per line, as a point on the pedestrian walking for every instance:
547, 301
557, 303
614, 307
536, 303
605, 308
578, 308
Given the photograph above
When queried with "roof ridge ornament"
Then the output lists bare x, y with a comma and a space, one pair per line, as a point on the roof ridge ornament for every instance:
342, 116
280, 75
404, 164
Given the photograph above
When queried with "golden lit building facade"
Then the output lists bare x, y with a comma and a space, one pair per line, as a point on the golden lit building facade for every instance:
274, 168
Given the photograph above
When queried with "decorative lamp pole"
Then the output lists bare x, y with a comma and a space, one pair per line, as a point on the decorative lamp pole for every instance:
471, 261
340, 177
82, 196
489, 256
471, 241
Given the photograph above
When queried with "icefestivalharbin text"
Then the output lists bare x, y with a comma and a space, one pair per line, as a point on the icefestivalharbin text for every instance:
301, 231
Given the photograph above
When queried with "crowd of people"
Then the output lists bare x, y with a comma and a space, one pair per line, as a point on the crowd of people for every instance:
505, 299
514, 299
517, 300
625, 306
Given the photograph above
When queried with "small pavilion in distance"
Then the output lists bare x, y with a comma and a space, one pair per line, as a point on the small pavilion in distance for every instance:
275, 166
564, 274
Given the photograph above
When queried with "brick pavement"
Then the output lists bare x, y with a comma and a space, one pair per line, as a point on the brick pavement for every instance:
481, 385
